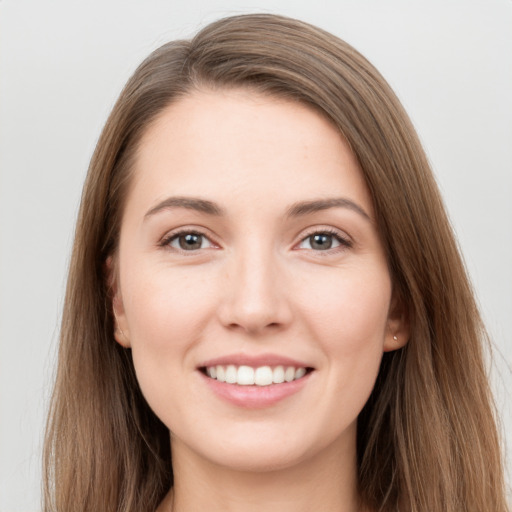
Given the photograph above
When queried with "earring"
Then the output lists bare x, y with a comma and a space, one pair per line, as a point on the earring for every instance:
395, 338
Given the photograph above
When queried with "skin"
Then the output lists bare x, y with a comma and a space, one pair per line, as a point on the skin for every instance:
257, 284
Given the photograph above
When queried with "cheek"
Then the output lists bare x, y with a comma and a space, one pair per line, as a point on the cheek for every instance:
166, 311
348, 317
349, 307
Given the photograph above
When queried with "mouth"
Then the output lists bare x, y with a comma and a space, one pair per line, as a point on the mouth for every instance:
256, 381
244, 375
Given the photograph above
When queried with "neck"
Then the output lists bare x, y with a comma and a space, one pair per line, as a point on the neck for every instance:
326, 481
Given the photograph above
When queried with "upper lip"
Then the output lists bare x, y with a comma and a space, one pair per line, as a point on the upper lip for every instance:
254, 361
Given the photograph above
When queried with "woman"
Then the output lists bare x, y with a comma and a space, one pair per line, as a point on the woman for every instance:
264, 283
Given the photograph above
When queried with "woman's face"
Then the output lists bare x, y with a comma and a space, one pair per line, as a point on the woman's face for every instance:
249, 252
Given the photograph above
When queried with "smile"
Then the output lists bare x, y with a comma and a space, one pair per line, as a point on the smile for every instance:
255, 381
260, 376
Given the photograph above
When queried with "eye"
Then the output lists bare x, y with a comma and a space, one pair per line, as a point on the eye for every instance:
323, 241
188, 241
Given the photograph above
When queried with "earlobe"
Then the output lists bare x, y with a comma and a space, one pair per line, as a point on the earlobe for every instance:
120, 327
398, 330
119, 321
395, 341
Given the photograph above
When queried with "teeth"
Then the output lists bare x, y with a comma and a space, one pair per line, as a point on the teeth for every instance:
300, 372
221, 374
245, 376
231, 374
278, 375
289, 374
261, 376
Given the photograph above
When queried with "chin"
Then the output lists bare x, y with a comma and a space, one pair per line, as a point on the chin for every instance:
265, 448
258, 459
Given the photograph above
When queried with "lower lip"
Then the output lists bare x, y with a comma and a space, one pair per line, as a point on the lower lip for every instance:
255, 397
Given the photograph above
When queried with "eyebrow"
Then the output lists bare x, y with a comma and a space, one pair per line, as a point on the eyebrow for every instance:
296, 210
190, 203
307, 207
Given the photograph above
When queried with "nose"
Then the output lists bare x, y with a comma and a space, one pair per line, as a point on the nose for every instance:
255, 298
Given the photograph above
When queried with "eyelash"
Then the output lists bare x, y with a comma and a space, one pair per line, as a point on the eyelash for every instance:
166, 241
344, 242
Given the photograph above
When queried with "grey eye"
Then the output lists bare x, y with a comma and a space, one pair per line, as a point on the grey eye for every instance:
320, 242
189, 241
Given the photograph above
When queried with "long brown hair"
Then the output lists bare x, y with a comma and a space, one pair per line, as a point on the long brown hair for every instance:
427, 440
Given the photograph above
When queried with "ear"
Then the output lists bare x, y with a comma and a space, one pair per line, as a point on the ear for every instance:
120, 325
398, 327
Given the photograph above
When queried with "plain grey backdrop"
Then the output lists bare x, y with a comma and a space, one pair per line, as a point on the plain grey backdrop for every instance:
62, 65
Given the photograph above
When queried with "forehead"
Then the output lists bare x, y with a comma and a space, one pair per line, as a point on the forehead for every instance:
235, 143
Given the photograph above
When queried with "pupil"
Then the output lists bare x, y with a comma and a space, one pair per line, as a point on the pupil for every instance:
322, 242
190, 241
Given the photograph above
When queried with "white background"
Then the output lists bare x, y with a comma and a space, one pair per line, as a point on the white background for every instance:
63, 63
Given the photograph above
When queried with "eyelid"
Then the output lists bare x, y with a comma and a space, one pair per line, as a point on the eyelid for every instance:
164, 242
344, 239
